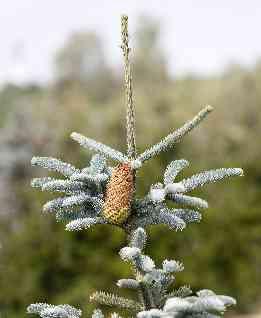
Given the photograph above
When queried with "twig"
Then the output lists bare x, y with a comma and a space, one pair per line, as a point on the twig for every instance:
130, 114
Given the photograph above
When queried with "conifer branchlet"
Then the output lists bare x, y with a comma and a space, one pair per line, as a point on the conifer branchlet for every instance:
101, 194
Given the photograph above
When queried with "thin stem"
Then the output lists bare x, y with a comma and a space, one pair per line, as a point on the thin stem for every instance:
147, 296
130, 113
175, 136
145, 293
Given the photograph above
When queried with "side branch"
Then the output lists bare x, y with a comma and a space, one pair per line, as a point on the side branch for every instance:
174, 137
99, 147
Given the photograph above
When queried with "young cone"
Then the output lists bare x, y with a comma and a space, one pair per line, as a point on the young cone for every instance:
119, 194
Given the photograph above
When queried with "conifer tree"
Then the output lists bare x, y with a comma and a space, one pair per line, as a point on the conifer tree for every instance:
104, 194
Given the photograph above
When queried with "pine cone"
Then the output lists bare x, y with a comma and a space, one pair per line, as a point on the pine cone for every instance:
119, 194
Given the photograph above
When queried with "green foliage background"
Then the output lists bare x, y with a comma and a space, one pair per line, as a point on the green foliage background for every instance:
39, 261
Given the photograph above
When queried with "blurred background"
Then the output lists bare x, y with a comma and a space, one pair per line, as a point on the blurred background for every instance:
61, 71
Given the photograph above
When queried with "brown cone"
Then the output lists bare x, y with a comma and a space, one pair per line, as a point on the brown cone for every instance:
119, 194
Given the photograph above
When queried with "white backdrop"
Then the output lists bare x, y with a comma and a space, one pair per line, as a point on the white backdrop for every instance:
199, 36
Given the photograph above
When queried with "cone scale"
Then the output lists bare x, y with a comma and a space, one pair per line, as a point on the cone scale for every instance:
119, 194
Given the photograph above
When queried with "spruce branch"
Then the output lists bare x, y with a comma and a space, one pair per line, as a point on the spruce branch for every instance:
87, 198
138, 238
128, 283
130, 112
182, 291
51, 311
54, 164
84, 223
97, 164
40, 182
194, 202
53, 205
71, 201
200, 179
141, 265
188, 216
69, 215
65, 186
87, 177
172, 221
173, 169
99, 147
174, 137
80, 199
112, 300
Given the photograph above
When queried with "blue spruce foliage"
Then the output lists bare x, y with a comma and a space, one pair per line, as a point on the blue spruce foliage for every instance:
82, 194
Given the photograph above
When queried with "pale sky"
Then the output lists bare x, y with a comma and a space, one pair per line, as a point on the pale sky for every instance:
199, 36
